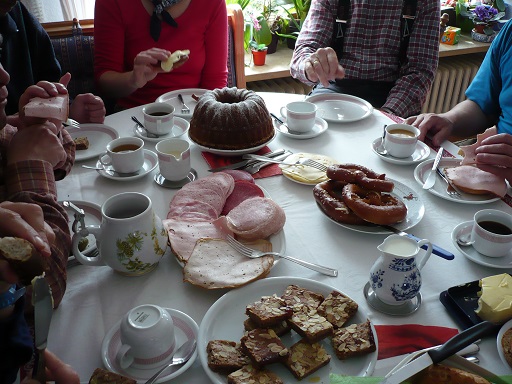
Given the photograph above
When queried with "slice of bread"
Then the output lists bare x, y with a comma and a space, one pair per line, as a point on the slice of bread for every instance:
22, 257
53, 108
442, 374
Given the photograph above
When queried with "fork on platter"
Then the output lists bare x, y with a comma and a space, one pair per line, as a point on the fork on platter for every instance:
253, 253
449, 188
303, 161
184, 109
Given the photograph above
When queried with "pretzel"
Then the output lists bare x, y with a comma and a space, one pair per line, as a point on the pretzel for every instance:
328, 196
362, 176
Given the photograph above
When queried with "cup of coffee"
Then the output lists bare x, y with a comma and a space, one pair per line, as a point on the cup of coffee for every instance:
125, 155
401, 140
492, 232
173, 158
158, 118
147, 337
300, 115
131, 238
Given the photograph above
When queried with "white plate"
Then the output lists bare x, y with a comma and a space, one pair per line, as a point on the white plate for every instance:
180, 127
234, 152
472, 254
172, 98
99, 135
341, 108
415, 212
224, 320
319, 128
439, 189
502, 331
421, 153
92, 217
150, 163
185, 329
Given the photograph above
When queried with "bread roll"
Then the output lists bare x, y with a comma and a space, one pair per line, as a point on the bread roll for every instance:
22, 257
442, 374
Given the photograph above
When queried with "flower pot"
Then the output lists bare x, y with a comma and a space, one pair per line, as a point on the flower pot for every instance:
479, 28
482, 37
259, 57
272, 48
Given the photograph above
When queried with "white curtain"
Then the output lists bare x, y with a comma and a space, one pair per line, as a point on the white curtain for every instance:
35, 7
81, 9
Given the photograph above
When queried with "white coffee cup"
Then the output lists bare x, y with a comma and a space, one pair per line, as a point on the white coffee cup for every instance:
492, 232
147, 337
125, 155
401, 140
173, 158
300, 115
158, 118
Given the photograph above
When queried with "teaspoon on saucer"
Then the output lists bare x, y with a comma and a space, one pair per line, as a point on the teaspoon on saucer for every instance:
465, 240
284, 125
111, 172
149, 134
380, 149
182, 355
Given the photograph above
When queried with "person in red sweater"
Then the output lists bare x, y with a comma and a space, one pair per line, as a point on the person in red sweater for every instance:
132, 37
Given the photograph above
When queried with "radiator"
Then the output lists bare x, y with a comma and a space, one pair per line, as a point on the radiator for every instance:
454, 74
281, 85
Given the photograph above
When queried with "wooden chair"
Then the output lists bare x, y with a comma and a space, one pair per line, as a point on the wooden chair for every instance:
236, 65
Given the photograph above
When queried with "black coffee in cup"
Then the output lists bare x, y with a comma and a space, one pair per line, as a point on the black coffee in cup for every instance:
126, 148
156, 113
495, 227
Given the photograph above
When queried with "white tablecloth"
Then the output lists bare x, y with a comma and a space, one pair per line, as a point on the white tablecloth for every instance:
96, 297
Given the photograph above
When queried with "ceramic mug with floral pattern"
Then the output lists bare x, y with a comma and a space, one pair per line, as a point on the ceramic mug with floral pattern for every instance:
131, 238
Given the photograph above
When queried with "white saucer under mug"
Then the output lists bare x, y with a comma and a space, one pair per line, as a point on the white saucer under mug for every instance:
407, 308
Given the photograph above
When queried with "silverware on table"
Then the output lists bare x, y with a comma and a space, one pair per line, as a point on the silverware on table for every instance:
284, 125
182, 355
43, 310
149, 134
258, 165
380, 149
451, 190
431, 179
111, 171
303, 161
245, 163
184, 109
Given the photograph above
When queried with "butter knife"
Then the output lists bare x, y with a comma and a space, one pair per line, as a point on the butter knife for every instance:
256, 167
431, 179
43, 310
244, 163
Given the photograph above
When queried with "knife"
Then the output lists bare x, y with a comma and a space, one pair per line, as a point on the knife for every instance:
244, 163
448, 349
436, 250
431, 179
256, 167
43, 310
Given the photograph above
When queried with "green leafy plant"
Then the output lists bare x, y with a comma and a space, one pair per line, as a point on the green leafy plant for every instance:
257, 47
296, 16
243, 3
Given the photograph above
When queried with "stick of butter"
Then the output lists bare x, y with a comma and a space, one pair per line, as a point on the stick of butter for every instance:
495, 301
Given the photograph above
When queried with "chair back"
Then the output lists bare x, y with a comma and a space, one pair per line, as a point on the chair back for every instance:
236, 65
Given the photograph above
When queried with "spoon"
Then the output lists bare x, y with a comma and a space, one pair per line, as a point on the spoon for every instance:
380, 149
182, 355
465, 240
149, 134
284, 125
111, 171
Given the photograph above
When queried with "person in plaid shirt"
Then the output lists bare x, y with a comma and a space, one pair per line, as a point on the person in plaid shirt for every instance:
371, 66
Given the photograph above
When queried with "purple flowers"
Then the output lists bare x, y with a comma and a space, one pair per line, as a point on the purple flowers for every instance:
484, 13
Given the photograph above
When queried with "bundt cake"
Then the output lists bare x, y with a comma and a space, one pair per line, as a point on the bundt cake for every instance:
231, 119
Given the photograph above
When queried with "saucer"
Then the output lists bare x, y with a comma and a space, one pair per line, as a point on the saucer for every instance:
180, 127
410, 306
150, 163
472, 254
319, 128
185, 329
421, 153
163, 182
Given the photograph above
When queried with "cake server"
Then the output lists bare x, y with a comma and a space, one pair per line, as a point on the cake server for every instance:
437, 355
431, 179
43, 310
244, 163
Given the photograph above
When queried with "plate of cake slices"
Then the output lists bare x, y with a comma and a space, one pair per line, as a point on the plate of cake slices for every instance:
224, 350
190, 96
97, 135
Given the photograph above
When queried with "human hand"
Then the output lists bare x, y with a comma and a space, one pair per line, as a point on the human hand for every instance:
494, 155
57, 371
438, 127
146, 66
323, 66
87, 108
37, 142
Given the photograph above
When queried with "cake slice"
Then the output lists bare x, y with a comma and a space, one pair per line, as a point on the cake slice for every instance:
102, 376
81, 143
354, 340
270, 310
280, 328
295, 297
263, 347
337, 308
305, 358
225, 356
249, 374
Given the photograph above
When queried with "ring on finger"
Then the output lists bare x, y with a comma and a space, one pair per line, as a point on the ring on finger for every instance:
315, 62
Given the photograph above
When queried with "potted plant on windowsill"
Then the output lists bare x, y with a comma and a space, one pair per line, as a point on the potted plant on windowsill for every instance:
259, 52
296, 16
484, 17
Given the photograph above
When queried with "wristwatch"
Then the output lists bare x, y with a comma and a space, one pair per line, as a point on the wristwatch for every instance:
10, 296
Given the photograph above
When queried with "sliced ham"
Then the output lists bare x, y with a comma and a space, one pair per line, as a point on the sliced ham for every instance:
256, 218
243, 190
468, 151
204, 195
220, 182
187, 207
471, 179
239, 175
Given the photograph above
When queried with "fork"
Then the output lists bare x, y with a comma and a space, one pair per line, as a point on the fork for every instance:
302, 161
253, 253
184, 108
71, 123
450, 192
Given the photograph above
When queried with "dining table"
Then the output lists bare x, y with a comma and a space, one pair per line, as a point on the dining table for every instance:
97, 297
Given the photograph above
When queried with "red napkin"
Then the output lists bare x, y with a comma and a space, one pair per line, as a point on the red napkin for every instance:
215, 161
396, 340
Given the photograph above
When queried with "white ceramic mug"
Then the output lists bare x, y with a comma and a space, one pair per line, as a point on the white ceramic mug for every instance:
131, 238
158, 118
125, 155
492, 232
173, 158
401, 140
147, 337
300, 115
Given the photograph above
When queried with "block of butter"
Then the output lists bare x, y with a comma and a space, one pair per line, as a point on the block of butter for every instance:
495, 301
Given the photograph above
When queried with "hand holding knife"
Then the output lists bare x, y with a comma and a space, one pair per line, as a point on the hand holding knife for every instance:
43, 310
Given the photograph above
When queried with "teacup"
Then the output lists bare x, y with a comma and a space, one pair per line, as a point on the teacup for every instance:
492, 232
131, 238
158, 118
147, 337
300, 115
125, 155
173, 158
401, 140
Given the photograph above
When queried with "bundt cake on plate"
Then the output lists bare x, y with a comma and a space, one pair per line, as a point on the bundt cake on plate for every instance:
231, 119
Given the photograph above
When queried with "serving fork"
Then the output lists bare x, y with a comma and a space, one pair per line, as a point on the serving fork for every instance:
184, 108
253, 254
303, 161
71, 123
449, 187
